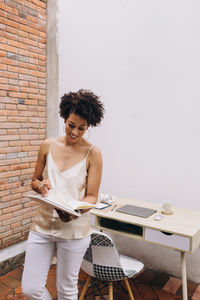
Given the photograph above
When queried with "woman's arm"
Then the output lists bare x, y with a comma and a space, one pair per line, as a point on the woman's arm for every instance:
94, 175
38, 184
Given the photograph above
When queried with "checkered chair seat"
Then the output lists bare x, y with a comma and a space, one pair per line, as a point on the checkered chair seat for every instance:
102, 260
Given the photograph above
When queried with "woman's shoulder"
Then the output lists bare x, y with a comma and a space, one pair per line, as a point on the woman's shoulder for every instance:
94, 151
45, 145
47, 142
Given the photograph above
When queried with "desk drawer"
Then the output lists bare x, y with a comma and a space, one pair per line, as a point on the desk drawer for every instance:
171, 240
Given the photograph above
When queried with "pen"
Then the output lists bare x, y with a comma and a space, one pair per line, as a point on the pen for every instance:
114, 207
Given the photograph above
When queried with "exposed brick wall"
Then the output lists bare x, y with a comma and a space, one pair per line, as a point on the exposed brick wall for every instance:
22, 110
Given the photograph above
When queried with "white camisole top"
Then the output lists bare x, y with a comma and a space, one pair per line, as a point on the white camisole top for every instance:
72, 183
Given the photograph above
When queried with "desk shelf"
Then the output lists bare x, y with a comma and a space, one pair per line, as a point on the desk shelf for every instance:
123, 228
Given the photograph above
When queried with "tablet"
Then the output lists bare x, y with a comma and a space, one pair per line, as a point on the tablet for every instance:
136, 210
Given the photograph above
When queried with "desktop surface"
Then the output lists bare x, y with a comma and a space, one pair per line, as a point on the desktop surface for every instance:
182, 222
134, 210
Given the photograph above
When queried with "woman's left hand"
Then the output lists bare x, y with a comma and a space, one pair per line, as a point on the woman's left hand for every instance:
65, 217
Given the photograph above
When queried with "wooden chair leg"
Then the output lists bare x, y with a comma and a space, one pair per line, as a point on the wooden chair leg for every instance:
129, 289
110, 290
85, 288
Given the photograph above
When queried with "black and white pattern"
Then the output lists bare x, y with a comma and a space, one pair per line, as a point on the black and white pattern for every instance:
101, 240
88, 254
130, 273
102, 260
108, 273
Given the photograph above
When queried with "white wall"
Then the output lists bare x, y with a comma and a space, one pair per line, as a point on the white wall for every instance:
142, 58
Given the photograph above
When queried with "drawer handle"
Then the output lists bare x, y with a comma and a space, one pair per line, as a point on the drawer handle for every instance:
167, 233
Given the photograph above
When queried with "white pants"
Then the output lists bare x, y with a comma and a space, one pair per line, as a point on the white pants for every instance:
39, 254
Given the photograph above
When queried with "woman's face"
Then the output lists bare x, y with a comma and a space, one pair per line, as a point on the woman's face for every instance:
75, 128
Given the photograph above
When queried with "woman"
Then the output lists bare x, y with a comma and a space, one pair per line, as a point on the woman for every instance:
72, 166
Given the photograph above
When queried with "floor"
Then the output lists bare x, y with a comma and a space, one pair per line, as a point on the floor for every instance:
149, 285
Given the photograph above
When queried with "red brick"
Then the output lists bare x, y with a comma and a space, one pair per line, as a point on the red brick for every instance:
2, 6
4, 187
4, 168
28, 29
12, 30
18, 95
2, 131
11, 106
3, 119
2, 53
21, 2
18, 143
9, 87
11, 10
17, 119
9, 23
19, 166
11, 131
22, 109
32, 54
17, 70
6, 217
10, 149
15, 225
9, 36
3, 181
9, 61
13, 237
29, 66
11, 209
8, 74
33, 19
3, 67
17, 19
28, 171
23, 34
14, 82
33, 61
40, 3
23, 131
22, 211
29, 90
2, 13
12, 220
4, 229
31, 102
18, 44
29, 159
28, 78
12, 197
36, 7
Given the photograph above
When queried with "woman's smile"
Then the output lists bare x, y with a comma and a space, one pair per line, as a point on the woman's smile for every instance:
73, 136
75, 128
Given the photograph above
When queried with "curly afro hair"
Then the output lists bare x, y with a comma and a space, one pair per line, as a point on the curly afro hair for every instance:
83, 103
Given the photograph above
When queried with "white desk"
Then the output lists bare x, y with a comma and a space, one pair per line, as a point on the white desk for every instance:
180, 231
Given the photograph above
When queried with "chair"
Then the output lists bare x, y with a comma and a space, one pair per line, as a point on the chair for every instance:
103, 262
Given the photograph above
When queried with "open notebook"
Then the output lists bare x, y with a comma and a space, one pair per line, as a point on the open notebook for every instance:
136, 210
72, 206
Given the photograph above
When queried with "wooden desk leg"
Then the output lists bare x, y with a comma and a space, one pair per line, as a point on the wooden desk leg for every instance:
184, 276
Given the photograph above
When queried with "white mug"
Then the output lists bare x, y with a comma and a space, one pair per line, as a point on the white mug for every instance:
166, 207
